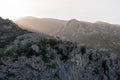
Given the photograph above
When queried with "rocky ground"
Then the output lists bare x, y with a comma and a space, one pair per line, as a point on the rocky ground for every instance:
36, 56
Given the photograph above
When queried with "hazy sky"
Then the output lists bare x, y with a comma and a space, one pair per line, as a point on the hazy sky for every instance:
84, 10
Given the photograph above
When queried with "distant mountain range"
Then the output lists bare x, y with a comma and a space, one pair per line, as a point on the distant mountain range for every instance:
101, 36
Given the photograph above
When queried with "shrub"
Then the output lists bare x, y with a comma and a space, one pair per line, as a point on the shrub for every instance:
53, 66
51, 41
24, 48
9, 52
1, 54
44, 56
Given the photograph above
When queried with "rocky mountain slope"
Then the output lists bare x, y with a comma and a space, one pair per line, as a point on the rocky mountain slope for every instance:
103, 37
9, 31
36, 56
48, 58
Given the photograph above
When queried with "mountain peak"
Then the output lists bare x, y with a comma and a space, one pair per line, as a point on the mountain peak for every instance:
73, 20
101, 22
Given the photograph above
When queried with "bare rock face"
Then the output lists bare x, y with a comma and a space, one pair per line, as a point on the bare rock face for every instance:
8, 31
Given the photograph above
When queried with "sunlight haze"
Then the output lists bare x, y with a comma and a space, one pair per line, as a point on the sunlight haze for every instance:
83, 10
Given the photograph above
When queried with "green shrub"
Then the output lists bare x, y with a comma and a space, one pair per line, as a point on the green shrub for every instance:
9, 52
45, 58
24, 48
1, 54
51, 41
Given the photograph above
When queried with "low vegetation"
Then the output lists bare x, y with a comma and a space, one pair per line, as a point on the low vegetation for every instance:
34, 56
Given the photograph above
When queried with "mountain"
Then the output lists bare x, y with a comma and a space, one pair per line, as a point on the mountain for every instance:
45, 25
37, 56
101, 36
50, 58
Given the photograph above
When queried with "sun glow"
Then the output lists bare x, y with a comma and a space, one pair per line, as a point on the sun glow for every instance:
86, 10
14, 8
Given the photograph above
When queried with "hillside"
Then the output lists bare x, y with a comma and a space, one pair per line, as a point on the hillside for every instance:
101, 36
45, 25
37, 56
53, 59
9, 31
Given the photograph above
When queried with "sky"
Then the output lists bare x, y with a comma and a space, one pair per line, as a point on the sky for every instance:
83, 10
